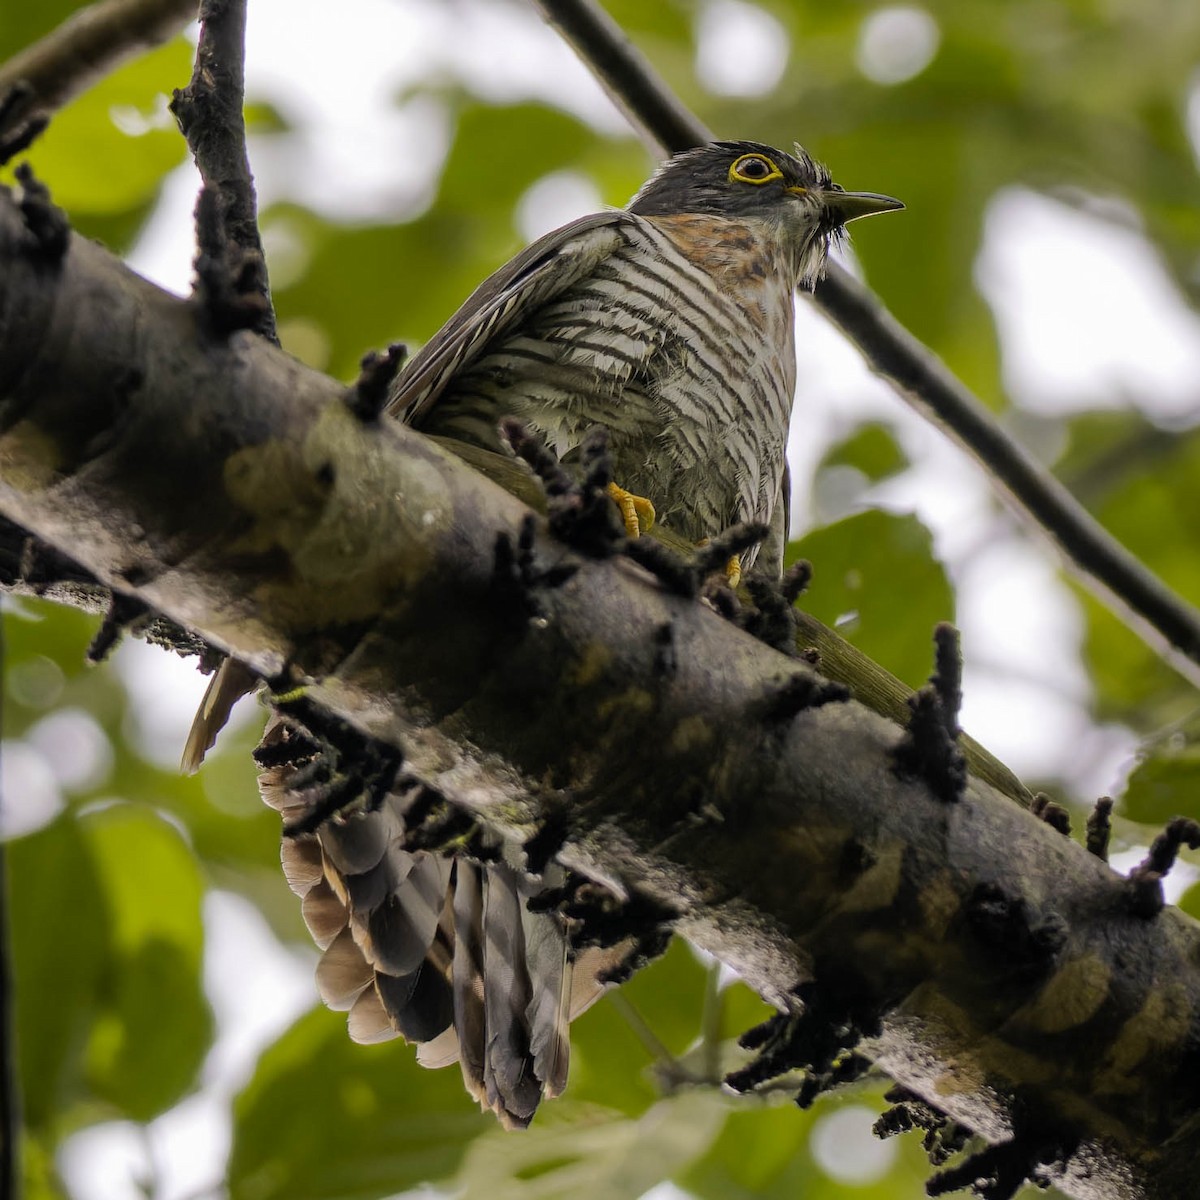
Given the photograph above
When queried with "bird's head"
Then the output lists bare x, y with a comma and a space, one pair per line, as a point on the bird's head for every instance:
751, 180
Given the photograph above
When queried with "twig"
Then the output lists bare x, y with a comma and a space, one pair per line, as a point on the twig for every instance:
209, 111
631, 82
10, 1101
1167, 624
87, 46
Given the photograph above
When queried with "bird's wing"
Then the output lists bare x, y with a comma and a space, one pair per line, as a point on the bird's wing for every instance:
543, 270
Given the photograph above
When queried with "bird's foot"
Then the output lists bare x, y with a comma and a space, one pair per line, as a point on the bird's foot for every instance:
636, 511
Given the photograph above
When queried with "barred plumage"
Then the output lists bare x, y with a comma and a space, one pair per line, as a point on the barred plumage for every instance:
697, 407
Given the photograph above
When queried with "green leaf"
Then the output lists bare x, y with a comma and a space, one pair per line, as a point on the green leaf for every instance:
155, 1029
611, 1066
24, 24
871, 450
61, 948
324, 1118
876, 581
759, 1153
742, 1009
593, 1156
1143, 484
107, 152
1166, 781
763, 1154
482, 176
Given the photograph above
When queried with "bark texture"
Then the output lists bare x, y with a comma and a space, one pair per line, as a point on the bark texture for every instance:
989, 964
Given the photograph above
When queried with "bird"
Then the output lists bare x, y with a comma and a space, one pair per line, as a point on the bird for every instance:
670, 323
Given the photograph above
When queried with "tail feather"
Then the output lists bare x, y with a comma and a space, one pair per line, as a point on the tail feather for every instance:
439, 949
420, 1004
343, 974
510, 1085
470, 1025
368, 1021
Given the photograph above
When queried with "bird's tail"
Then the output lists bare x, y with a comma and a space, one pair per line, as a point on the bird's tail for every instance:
439, 949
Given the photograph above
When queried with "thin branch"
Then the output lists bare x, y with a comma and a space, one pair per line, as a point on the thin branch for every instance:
1167, 623
231, 264
631, 82
85, 47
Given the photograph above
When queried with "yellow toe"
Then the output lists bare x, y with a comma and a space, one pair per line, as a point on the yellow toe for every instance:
636, 511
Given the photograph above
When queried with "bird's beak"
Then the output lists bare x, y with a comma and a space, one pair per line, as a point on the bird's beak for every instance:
849, 206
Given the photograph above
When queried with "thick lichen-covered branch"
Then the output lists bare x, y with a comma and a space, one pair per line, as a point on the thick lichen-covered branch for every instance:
991, 965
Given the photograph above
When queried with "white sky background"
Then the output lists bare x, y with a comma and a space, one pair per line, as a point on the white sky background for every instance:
1084, 311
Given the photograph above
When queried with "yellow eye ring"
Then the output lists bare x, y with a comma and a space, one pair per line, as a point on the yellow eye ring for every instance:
746, 168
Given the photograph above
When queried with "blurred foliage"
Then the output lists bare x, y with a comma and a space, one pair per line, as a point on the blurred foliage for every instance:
857, 593
1079, 99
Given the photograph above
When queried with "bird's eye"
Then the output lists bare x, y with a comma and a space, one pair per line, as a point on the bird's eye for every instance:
754, 168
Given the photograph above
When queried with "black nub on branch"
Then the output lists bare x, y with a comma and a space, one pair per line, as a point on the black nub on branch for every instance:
929, 749
799, 692
359, 769
580, 514
1008, 930
676, 573
367, 396
1144, 883
737, 539
518, 583
596, 917
1053, 814
20, 124
1037, 1152
820, 1040
230, 280
771, 615
943, 1137
46, 222
123, 612
1099, 828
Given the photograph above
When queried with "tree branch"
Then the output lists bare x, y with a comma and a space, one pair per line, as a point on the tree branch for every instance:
1166, 622
230, 266
991, 965
88, 45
